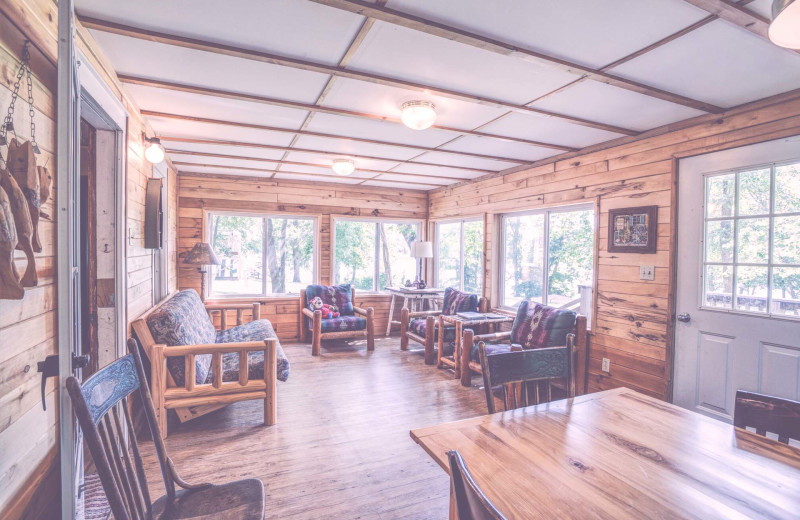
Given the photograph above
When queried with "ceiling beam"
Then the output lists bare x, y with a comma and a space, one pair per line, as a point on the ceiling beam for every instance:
334, 70
735, 14
315, 165
216, 142
317, 177
311, 133
253, 98
417, 23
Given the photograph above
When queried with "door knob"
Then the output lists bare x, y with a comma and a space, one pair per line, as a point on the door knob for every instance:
684, 317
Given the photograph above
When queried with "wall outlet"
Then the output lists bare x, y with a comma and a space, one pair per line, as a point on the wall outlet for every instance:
647, 272
606, 365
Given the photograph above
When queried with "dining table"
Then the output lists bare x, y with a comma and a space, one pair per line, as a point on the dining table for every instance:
619, 454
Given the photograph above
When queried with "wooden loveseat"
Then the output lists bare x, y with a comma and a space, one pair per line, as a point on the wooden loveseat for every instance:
535, 326
194, 368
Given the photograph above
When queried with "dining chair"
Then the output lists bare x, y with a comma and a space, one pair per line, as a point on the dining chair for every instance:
471, 503
101, 405
516, 374
768, 414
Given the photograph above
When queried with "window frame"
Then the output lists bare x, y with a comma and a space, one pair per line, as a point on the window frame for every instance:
546, 250
209, 214
377, 266
770, 265
161, 255
436, 236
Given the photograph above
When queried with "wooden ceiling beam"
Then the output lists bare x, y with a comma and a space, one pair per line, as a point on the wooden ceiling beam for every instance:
297, 163
315, 177
420, 24
253, 98
334, 70
219, 142
311, 133
735, 14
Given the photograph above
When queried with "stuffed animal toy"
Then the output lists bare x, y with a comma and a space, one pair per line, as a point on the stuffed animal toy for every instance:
334, 311
328, 311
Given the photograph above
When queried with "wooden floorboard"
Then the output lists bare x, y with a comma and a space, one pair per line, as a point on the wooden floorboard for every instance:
341, 448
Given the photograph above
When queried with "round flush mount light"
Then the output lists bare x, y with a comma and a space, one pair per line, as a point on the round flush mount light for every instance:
343, 167
154, 152
785, 27
418, 115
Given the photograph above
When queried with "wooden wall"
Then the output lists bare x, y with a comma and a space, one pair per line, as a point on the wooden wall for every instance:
198, 194
632, 324
29, 476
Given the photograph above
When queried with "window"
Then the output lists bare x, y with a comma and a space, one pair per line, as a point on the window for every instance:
372, 255
161, 255
548, 257
751, 225
261, 255
459, 255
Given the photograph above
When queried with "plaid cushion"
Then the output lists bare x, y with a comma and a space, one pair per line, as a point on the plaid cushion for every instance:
342, 323
540, 326
339, 295
475, 355
252, 331
419, 328
456, 301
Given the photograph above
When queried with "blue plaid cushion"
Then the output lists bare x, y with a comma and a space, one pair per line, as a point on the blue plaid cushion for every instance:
341, 324
339, 295
456, 301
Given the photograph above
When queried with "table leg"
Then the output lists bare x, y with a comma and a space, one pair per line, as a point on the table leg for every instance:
391, 316
457, 351
453, 514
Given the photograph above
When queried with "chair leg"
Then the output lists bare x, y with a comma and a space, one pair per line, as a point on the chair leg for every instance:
466, 350
403, 328
271, 380
430, 333
316, 338
158, 381
371, 329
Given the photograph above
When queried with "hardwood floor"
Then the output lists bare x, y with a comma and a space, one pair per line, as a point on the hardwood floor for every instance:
341, 448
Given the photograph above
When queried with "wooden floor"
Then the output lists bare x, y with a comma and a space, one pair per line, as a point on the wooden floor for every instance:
341, 448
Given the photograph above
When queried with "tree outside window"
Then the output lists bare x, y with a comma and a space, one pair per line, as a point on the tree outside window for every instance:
459, 255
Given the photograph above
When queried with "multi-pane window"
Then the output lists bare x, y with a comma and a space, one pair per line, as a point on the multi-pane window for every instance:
547, 256
751, 245
372, 254
261, 255
459, 255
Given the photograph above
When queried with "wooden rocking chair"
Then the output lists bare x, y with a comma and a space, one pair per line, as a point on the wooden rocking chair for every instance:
101, 405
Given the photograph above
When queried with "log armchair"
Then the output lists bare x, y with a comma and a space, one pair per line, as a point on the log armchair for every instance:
352, 322
535, 326
195, 368
423, 327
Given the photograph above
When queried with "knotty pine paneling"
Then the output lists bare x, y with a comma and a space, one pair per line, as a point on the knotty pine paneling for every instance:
632, 317
198, 194
29, 485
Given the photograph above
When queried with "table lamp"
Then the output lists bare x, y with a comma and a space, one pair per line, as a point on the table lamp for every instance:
201, 255
420, 250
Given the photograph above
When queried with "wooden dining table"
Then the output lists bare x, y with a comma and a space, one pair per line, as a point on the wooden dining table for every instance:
620, 454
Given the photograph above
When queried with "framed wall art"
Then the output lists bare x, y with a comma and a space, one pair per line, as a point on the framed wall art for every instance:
633, 230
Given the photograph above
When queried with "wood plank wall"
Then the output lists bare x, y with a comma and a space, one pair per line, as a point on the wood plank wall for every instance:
198, 194
632, 324
29, 476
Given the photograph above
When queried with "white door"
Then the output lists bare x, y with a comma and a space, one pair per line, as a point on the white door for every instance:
738, 283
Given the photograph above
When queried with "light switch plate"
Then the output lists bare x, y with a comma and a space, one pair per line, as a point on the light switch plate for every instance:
647, 272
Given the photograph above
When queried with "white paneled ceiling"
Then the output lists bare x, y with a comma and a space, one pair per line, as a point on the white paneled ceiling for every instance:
513, 82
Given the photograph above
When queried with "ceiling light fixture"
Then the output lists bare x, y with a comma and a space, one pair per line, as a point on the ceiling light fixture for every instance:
785, 27
418, 115
154, 152
343, 167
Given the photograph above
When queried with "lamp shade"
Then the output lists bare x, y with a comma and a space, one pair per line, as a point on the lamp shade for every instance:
201, 254
785, 27
421, 249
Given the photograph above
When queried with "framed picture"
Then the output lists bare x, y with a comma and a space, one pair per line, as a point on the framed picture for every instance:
633, 230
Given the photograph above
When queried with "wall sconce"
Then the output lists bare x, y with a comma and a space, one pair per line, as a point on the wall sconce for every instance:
154, 150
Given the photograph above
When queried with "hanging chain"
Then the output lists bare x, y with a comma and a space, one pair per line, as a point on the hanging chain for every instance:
8, 122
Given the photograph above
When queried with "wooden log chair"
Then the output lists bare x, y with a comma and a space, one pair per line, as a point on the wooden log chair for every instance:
535, 326
352, 321
423, 326
195, 368
102, 407
767, 414
515, 374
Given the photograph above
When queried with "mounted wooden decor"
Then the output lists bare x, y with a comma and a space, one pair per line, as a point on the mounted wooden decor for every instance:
10, 288
153, 215
45, 188
633, 230
22, 165
22, 221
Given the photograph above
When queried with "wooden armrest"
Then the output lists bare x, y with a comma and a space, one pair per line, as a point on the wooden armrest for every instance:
228, 306
423, 314
504, 312
308, 312
213, 348
359, 310
506, 334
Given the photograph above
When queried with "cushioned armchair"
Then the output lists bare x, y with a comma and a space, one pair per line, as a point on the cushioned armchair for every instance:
352, 321
535, 326
423, 327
